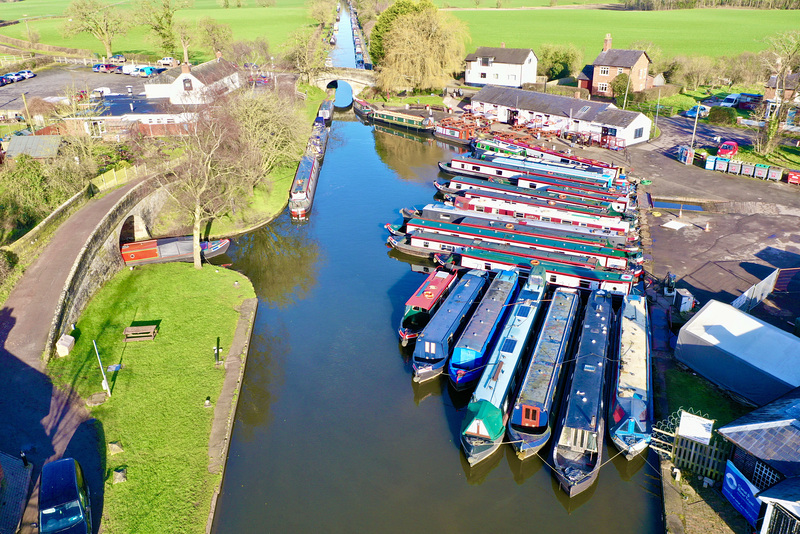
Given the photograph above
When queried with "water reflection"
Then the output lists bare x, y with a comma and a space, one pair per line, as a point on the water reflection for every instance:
408, 154
573, 503
281, 261
476, 475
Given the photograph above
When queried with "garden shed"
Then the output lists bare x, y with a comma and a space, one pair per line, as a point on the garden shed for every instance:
740, 353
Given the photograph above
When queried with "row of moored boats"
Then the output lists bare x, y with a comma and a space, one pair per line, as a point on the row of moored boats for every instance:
534, 305
304, 186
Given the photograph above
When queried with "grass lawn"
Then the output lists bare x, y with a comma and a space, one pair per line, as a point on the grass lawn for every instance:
156, 411
784, 156
414, 99
688, 390
676, 32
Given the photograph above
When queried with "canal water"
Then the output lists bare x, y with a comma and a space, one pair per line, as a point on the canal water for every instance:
331, 434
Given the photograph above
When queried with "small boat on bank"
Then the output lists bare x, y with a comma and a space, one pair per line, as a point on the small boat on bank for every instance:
424, 302
484, 424
406, 121
436, 341
170, 249
630, 410
534, 413
301, 195
474, 346
578, 450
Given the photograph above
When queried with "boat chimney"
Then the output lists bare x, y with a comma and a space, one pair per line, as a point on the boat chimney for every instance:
607, 43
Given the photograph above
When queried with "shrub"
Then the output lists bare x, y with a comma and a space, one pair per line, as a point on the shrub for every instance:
722, 115
652, 93
563, 90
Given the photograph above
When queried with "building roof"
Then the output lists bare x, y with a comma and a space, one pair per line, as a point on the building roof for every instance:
615, 57
791, 81
562, 106
208, 72
771, 433
35, 146
513, 56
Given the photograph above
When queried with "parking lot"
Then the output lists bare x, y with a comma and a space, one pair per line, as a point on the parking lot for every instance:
63, 80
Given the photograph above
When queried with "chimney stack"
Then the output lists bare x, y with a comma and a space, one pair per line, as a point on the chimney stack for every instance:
607, 42
502, 45
185, 67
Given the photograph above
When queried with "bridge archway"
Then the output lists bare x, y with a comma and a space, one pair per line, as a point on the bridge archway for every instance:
133, 229
344, 94
358, 79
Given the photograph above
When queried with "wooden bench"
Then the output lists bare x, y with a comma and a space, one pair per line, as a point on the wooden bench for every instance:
140, 333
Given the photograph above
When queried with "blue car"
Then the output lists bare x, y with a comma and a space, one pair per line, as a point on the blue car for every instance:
64, 499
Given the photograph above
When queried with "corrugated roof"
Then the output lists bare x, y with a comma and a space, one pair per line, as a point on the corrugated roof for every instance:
208, 72
35, 146
513, 56
615, 57
771, 433
562, 106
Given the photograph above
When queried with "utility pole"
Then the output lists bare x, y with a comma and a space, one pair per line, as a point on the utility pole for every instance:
694, 130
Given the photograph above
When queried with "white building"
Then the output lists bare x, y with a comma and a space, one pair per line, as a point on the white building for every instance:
604, 122
187, 85
510, 67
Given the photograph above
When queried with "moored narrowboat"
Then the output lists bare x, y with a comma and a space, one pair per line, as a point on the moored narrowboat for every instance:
534, 413
630, 410
362, 108
407, 121
436, 341
578, 449
170, 249
301, 195
326, 110
484, 424
424, 302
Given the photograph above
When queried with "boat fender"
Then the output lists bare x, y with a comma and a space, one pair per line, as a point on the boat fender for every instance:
552, 202
534, 262
562, 195
509, 226
428, 294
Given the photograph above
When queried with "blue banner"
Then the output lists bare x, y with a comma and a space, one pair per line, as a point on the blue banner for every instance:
741, 493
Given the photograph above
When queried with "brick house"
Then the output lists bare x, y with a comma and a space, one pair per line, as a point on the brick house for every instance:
612, 62
789, 91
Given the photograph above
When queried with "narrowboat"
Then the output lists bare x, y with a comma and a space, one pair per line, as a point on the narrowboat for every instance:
436, 341
475, 344
170, 249
440, 212
325, 111
456, 130
486, 416
424, 302
577, 276
534, 413
403, 120
318, 141
630, 410
301, 195
362, 108
517, 147
578, 449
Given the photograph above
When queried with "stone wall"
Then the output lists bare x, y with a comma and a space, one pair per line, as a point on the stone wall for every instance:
99, 260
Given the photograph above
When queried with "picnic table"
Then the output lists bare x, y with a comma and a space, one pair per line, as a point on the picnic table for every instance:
140, 333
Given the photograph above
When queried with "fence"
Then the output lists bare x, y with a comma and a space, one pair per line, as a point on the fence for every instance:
92, 61
755, 294
10, 60
116, 177
703, 460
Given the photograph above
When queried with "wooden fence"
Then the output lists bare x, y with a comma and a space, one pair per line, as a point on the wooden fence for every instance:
116, 177
10, 60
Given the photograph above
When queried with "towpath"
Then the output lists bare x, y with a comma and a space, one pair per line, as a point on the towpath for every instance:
35, 416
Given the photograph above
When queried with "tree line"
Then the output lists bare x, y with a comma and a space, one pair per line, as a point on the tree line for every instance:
658, 5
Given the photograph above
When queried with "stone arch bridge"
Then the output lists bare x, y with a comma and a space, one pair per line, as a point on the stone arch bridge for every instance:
357, 78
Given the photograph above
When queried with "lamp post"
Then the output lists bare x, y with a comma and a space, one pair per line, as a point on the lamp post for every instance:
694, 130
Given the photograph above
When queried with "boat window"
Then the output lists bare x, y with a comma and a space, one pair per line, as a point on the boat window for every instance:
499, 173
589, 368
487, 266
425, 244
584, 284
546, 219
475, 168
552, 278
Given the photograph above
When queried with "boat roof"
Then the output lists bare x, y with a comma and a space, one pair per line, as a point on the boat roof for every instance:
586, 209
536, 196
538, 386
479, 330
520, 168
580, 249
585, 396
633, 349
431, 289
580, 169
449, 315
578, 159
304, 169
140, 245
568, 197
398, 114
502, 364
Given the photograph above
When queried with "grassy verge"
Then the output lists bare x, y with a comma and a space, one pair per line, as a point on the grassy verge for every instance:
414, 99
156, 410
688, 390
784, 156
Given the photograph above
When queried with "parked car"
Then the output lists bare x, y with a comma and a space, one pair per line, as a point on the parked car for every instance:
129, 68
698, 110
117, 58
15, 76
3, 81
728, 149
107, 67
117, 69
167, 61
146, 72
64, 499
96, 67
27, 73
750, 101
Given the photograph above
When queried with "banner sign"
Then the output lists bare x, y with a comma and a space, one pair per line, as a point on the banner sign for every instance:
741, 493
695, 428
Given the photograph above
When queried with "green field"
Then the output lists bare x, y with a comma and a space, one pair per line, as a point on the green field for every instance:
709, 32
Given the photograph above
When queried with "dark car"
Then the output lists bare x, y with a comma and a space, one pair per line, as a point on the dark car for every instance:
117, 58
64, 499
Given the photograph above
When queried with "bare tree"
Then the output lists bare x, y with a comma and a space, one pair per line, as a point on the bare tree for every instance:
254, 52
213, 35
322, 10
186, 34
103, 21
159, 16
782, 56
305, 51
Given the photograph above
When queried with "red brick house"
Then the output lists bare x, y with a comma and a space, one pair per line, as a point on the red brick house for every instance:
612, 62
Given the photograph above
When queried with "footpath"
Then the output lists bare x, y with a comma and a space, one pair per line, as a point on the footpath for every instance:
37, 418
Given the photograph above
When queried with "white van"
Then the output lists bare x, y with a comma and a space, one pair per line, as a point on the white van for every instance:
731, 101
129, 68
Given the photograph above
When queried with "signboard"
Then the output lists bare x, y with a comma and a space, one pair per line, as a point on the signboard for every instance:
741, 493
695, 428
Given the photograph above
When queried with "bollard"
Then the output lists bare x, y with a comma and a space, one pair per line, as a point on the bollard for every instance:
708, 227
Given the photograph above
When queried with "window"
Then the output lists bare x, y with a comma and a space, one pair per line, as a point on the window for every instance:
642, 74
496, 76
187, 84
512, 77
97, 128
553, 278
638, 132
486, 62
603, 71
483, 75
487, 266
584, 284
602, 87
499, 173
619, 70
476, 168
584, 109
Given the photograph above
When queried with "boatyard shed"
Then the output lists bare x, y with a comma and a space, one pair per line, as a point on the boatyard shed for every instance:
510, 67
562, 114
740, 353
194, 85
35, 146
767, 453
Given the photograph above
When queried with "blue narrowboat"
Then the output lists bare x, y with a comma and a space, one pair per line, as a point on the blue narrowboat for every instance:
630, 410
436, 342
475, 345
578, 449
533, 415
325, 111
484, 424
